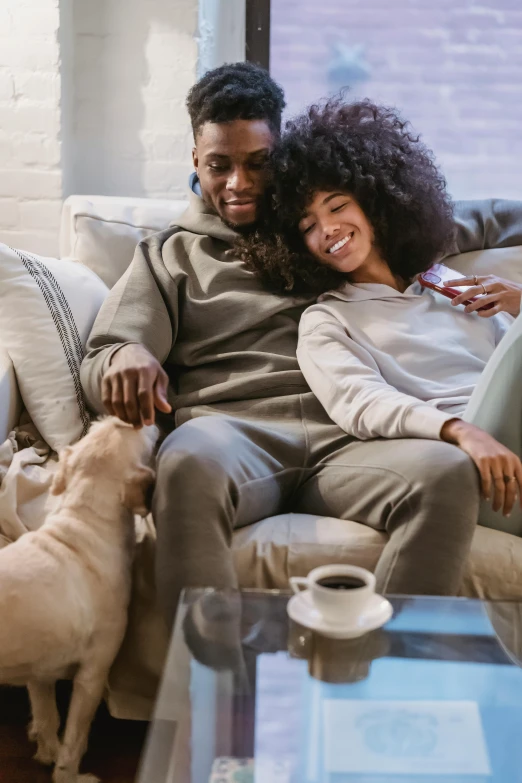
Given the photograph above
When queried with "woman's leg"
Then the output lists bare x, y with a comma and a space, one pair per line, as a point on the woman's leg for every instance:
496, 407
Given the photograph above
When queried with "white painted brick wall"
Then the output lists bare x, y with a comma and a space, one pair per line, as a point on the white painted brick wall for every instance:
30, 168
134, 62
91, 101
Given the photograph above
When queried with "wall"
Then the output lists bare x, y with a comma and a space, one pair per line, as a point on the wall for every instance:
133, 63
30, 124
91, 101
453, 67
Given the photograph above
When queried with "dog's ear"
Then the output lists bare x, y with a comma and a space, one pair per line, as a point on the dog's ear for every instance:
61, 475
137, 494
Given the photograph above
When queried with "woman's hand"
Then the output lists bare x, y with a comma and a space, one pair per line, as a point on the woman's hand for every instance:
504, 295
500, 469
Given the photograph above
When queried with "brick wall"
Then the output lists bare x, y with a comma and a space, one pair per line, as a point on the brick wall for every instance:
30, 168
91, 101
134, 62
453, 68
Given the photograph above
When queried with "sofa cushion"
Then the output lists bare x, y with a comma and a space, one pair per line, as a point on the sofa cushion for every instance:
102, 232
502, 261
269, 552
47, 309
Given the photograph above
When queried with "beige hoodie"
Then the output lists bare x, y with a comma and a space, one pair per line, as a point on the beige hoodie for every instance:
387, 364
219, 334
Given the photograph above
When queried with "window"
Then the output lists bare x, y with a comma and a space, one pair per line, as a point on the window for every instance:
452, 67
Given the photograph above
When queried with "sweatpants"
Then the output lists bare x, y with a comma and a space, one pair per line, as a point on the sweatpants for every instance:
496, 407
233, 464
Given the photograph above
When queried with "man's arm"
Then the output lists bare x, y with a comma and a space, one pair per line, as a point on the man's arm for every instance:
487, 224
142, 309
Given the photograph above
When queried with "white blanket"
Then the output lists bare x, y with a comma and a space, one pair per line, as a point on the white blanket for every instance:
26, 467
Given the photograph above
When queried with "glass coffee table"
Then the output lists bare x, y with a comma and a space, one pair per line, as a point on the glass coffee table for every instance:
248, 696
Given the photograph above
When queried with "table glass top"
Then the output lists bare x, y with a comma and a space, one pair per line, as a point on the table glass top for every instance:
248, 696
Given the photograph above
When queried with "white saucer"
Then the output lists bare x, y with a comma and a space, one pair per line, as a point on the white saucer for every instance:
302, 610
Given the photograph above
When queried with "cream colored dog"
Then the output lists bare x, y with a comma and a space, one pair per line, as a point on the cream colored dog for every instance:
65, 589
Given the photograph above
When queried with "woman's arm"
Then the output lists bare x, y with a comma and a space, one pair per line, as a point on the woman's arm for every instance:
487, 223
499, 468
347, 382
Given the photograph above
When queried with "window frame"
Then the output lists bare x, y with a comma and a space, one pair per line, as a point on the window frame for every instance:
257, 32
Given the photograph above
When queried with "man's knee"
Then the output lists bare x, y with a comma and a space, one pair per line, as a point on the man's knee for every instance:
199, 449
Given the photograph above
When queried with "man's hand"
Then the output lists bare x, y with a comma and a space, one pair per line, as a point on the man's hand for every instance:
503, 295
134, 385
500, 469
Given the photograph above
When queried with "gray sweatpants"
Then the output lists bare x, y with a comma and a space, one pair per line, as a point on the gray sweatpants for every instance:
496, 407
232, 464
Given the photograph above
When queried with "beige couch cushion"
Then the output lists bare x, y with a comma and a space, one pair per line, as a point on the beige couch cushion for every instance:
102, 232
503, 262
269, 552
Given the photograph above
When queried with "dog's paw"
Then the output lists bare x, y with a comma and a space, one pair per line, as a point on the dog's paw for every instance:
47, 754
48, 747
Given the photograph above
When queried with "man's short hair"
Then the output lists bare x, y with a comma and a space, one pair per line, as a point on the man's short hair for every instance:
238, 91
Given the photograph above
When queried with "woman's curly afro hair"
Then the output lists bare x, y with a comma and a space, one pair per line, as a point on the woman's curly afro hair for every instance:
367, 151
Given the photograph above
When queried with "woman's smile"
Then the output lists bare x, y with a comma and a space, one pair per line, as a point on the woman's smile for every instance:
335, 248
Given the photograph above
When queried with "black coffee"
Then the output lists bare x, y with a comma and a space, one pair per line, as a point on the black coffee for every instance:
342, 582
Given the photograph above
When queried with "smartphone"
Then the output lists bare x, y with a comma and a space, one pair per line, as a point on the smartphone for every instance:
434, 278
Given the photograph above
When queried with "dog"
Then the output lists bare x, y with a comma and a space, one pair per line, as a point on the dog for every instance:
65, 588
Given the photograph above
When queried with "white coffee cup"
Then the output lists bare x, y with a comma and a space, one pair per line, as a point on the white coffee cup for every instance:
337, 605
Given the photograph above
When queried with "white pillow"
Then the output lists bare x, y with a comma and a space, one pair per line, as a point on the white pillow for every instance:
102, 231
47, 309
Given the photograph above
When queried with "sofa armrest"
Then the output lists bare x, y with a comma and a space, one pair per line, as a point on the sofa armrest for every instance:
10, 401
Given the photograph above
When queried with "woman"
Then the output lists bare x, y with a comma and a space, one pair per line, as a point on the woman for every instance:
359, 209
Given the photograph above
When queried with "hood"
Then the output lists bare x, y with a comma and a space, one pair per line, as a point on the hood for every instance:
199, 218
362, 292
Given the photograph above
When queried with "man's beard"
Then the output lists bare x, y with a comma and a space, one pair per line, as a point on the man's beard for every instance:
244, 230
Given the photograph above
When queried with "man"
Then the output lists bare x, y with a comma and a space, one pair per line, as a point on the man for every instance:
189, 329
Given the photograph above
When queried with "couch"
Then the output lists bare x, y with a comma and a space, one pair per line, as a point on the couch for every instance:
102, 233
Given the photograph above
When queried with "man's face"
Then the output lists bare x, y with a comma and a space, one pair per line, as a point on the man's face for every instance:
230, 161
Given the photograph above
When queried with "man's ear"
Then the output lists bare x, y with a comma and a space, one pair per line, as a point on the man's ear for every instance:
137, 495
195, 159
61, 475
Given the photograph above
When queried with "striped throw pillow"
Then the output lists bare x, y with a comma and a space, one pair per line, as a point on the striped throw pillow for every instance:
47, 309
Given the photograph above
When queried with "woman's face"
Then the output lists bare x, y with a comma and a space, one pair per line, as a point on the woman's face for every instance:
337, 233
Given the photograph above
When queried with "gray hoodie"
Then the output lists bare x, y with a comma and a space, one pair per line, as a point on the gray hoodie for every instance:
219, 334
203, 315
